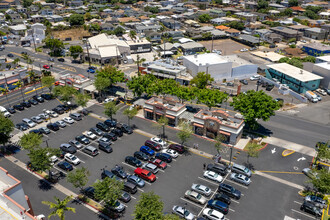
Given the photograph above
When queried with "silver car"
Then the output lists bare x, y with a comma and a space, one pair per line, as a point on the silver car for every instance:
61, 123
204, 190
195, 197
183, 212
29, 123
240, 178
76, 144
37, 119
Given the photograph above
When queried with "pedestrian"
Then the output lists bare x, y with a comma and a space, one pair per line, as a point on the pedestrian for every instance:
204, 166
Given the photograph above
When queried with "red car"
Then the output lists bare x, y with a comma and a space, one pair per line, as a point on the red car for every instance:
145, 174
45, 66
159, 163
178, 148
153, 145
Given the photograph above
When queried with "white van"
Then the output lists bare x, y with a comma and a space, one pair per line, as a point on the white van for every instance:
4, 111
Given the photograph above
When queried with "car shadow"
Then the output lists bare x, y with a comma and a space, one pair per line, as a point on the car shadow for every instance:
44, 185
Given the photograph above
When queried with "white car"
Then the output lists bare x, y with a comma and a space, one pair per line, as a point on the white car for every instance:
90, 135
240, 178
159, 141
29, 122
171, 152
322, 92
195, 197
204, 190
71, 159
61, 123
255, 77
213, 176
213, 214
68, 120
244, 50
111, 99
53, 159
51, 113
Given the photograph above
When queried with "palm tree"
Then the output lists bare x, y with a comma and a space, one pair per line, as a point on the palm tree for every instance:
60, 207
138, 62
19, 85
32, 77
5, 91
16, 61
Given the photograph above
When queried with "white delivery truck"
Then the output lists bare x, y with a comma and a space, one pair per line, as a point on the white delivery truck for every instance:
311, 96
4, 111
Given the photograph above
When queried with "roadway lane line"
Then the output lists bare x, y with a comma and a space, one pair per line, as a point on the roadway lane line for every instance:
264, 171
33, 90
186, 200
312, 217
294, 185
208, 181
238, 184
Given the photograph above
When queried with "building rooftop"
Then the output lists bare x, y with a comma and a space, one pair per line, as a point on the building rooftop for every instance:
168, 103
298, 27
272, 56
324, 65
284, 30
237, 61
295, 72
324, 58
317, 46
206, 58
223, 117
316, 30
249, 38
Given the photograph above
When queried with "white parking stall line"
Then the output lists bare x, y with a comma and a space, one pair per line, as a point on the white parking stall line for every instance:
235, 201
59, 170
245, 187
191, 202
202, 178
147, 182
232, 210
169, 165
140, 189
133, 197
46, 135
312, 217
129, 165
124, 205
82, 161
85, 153
161, 170
297, 202
173, 159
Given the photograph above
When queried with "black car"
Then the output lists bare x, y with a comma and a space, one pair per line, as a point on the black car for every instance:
125, 197
36, 131
11, 110
119, 171
110, 136
65, 166
46, 96
61, 59
269, 87
141, 156
22, 126
18, 107
311, 208
244, 81
53, 126
192, 109
218, 205
107, 173
26, 104
90, 193
164, 157
64, 107
218, 168
117, 132
105, 147
38, 98
58, 110
10, 55
133, 161
83, 139
229, 190
68, 148
102, 126
33, 102
23, 52
125, 128
178, 148
96, 131
110, 122
223, 198
259, 82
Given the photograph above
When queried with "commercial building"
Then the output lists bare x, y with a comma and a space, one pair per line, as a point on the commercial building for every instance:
287, 33
322, 68
297, 79
14, 204
79, 82
155, 108
316, 33
218, 123
316, 49
9, 78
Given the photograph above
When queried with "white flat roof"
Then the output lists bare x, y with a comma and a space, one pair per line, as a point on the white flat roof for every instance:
324, 65
206, 58
324, 58
272, 56
294, 72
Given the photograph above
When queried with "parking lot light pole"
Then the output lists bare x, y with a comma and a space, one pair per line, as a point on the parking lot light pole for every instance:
231, 154
47, 143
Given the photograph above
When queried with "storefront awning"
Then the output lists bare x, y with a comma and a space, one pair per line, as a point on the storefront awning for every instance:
225, 133
170, 116
157, 113
148, 110
12, 81
198, 125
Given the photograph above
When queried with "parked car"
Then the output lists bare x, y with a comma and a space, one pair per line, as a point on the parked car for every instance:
311, 208
61, 123
47, 96
117, 132
183, 212
133, 161
218, 205
44, 130
213, 176
240, 178
33, 102
159, 141
119, 171
269, 87
38, 98
82, 139
65, 166
22, 126
30, 123
110, 122
125, 128
104, 140
90, 135
317, 201
195, 196
213, 214
26, 104
75, 116
125, 197
159, 163
53, 126
90, 150
151, 167
36, 131
218, 168
11, 110
229, 190
178, 148
164, 157
75, 144
244, 81
61, 59
145, 174
192, 109
141, 156
255, 77
18, 107
136, 180
107, 173
45, 67
72, 159
102, 127
230, 84
153, 145
204, 190
51, 113
222, 197
105, 147
110, 136
170, 152
321, 91
96, 131
68, 148
68, 120
37, 119
90, 192
58, 110
147, 150
117, 207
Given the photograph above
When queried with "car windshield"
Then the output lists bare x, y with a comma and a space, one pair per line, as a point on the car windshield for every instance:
215, 175
186, 213
199, 196
149, 174
246, 170
73, 158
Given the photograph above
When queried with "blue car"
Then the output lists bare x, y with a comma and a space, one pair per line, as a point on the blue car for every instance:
164, 157
147, 150
91, 70
218, 205
65, 166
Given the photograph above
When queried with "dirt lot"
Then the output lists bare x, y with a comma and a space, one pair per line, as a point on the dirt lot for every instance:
227, 46
74, 34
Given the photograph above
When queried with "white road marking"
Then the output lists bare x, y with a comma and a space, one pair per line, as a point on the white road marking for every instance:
237, 184
59, 169
129, 165
133, 197
297, 202
294, 185
85, 153
195, 204
312, 217
140, 189
203, 178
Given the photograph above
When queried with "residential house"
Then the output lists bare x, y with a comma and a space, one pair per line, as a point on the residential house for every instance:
166, 47
250, 5
142, 28
222, 27
277, 6
218, 21
171, 24
36, 33
153, 36
251, 27
273, 38
191, 47
297, 10
249, 40
260, 16
316, 49
248, 17
287, 33
316, 33
300, 28
175, 34
262, 33
37, 18
107, 27
217, 13
233, 32
325, 15
18, 29
46, 11
4, 5
20, 9
315, 23
76, 3
137, 45
322, 68
55, 18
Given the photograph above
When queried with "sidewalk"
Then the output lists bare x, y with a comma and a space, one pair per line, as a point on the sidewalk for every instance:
291, 146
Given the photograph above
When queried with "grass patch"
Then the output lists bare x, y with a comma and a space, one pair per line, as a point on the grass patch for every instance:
256, 143
90, 202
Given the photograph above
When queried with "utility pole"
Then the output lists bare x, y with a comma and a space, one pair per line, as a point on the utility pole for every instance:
34, 42
212, 43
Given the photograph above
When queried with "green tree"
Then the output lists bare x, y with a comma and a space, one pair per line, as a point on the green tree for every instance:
262, 4
60, 207
101, 84
40, 157
218, 142
118, 31
27, 3
110, 109
296, 62
78, 178
323, 152
201, 80
236, 25
82, 99
311, 14
19, 85
293, 3
161, 123
132, 34
130, 113
149, 207
309, 59
171, 216
6, 127
108, 190
30, 141
211, 97
252, 151
48, 81
288, 12
55, 45
16, 61
94, 27
76, 19
284, 60
322, 181
185, 93
66, 93
75, 51
204, 18
5, 92
185, 132
255, 105
142, 84
88, 16
112, 73
138, 62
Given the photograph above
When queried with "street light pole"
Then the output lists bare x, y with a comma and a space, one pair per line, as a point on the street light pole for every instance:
231, 154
